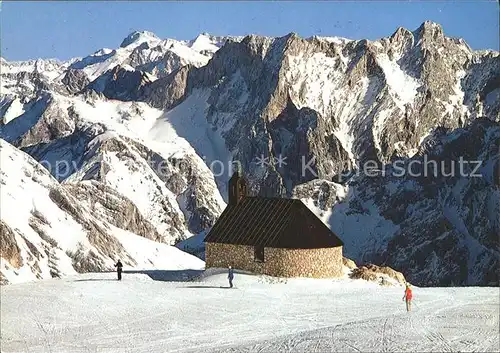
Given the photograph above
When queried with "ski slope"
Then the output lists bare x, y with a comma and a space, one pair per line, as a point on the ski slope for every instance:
150, 312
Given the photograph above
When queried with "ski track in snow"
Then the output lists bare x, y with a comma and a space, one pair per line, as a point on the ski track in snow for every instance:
96, 313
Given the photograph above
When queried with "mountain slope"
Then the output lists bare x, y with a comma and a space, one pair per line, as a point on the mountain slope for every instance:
439, 229
163, 123
93, 138
51, 230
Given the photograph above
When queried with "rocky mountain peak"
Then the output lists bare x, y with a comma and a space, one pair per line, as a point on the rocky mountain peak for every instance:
205, 36
122, 82
75, 80
139, 37
430, 31
402, 35
257, 44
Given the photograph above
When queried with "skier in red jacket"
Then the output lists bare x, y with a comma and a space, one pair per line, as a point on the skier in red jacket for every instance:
408, 296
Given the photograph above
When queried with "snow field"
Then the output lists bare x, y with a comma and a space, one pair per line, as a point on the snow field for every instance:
96, 313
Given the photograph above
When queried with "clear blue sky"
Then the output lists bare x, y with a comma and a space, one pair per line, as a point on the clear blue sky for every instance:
68, 29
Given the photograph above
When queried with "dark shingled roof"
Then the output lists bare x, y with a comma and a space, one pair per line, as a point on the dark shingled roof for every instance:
272, 222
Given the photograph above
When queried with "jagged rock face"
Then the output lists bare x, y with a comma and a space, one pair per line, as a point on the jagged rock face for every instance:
193, 185
75, 80
301, 116
10, 251
104, 160
45, 121
341, 102
436, 229
54, 123
41, 220
163, 206
121, 84
324, 194
48, 229
111, 206
299, 137
165, 93
177, 196
24, 85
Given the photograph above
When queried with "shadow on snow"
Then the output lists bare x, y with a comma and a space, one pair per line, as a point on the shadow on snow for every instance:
212, 287
169, 276
166, 276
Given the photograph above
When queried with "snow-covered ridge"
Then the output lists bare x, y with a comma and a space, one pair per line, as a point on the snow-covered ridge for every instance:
138, 48
135, 39
335, 40
47, 231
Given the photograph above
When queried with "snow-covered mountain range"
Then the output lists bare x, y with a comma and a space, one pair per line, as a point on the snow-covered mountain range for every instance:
141, 140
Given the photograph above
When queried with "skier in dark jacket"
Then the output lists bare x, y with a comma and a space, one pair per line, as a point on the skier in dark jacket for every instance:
230, 276
119, 268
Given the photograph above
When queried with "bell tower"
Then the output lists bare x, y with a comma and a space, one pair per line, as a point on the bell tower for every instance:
237, 187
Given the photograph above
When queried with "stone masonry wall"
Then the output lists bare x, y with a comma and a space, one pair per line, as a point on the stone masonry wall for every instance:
316, 263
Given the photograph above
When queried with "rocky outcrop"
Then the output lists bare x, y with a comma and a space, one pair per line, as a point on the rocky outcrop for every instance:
194, 186
167, 92
121, 83
109, 205
75, 81
44, 122
96, 233
325, 194
446, 235
383, 275
267, 86
10, 251
49, 229
351, 265
25, 83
